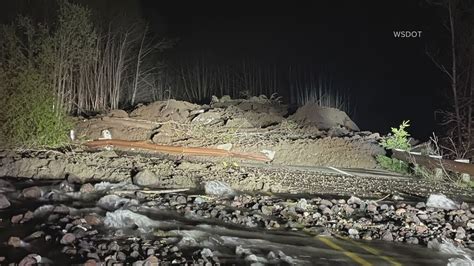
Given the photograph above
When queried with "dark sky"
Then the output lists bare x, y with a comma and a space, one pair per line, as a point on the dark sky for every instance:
390, 79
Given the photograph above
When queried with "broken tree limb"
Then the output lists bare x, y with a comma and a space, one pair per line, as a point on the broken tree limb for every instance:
94, 144
433, 163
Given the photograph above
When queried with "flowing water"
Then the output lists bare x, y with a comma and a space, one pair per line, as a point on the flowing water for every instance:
232, 244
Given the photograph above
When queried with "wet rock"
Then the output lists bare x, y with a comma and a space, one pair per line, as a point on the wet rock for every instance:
87, 188
16, 218
114, 202
441, 201
240, 251
4, 203
32, 192
181, 200
353, 232
349, 211
267, 210
31, 259
354, 200
92, 219
35, 235
146, 178
412, 240
256, 259
66, 186
460, 233
387, 236
6, 186
91, 262
15, 242
121, 256
151, 260
470, 225
372, 208
113, 246
420, 205
68, 239
206, 253
61, 210
218, 188
127, 218
326, 202
302, 205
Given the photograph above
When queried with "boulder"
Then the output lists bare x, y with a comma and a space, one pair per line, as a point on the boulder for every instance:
146, 178
218, 188
4, 203
441, 201
208, 118
323, 117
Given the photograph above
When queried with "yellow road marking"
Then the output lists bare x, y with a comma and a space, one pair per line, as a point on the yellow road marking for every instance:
349, 254
373, 251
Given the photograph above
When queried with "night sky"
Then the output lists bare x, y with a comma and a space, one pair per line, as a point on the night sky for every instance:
390, 79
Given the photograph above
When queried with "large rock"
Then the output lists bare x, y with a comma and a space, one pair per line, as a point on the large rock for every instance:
146, 178
208, 118
163, 178
4, 203
441, 201
323, 117
114, 202
218, 188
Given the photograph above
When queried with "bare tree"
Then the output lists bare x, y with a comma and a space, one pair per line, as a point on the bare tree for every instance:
459, 70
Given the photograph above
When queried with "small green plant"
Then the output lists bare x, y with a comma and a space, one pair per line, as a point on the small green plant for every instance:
393, 164
398, 139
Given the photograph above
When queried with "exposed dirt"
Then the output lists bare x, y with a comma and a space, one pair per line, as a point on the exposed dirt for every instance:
313, 136
82, 167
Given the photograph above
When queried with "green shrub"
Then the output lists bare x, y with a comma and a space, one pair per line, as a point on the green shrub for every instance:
393, 164
398, 139
31, 116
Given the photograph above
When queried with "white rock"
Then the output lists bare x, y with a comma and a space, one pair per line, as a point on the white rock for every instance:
114, 202
302, 204
218, 188
441, 201
226, 146
353, 231
127, 218
269, 153
106, 134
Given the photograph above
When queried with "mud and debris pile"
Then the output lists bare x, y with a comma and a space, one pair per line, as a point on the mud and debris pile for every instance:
313, 135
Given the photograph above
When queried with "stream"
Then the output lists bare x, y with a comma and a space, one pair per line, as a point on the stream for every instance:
141, 229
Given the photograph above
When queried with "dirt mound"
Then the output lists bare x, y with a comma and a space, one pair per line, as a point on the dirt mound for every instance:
161, 111
248, 125
120, 128
335, 152
323, 117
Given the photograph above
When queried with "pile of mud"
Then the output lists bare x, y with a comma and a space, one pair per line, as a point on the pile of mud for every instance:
313, 136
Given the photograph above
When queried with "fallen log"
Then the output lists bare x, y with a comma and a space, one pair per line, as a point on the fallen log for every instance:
458, 167
94, 144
